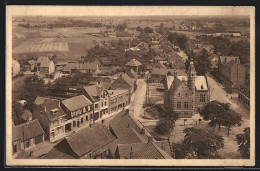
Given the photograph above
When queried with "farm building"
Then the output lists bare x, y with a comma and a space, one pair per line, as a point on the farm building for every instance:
45, 65
15, 67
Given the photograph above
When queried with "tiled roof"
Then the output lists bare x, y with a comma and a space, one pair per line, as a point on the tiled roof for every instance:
88, 66
128, 80
27, 130
231, 63
139, 151
54, 153
82, 142
44, 61
24, 155
50, 105
76, 102
121, 123
71, 66
133, 62
130, 136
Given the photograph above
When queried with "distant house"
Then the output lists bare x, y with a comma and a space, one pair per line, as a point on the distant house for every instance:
183, 55
225, 59
15, 67
71, 67
26, 135
232, 73
213, 60
105, 60
45, 65
159, 59
87, 143
31, 66
124, 82
176, 61
89, 67
52, 118
60, 66
133, 64
236, 34
112, 34
158, 74
244, 94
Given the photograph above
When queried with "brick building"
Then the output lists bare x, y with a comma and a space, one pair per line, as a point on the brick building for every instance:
244, 94
185, 94
233, 74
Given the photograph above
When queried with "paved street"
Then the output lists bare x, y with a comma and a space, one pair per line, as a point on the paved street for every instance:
136, 105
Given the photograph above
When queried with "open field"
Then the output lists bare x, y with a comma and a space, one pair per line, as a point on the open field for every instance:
69, 43
41, 47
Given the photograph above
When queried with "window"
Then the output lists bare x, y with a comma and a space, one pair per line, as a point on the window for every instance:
179, 94
186, 105
74, 123
96, 105
178, 104
86, 118
101, 104
91, 116
105, 103
202, 97
186, 94
26, 143
186, 113
81, 120
14, 148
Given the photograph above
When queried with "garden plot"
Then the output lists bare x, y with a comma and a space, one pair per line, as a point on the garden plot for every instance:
42, 47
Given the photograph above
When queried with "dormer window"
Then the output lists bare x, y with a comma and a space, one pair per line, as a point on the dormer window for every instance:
202, 87
54, 111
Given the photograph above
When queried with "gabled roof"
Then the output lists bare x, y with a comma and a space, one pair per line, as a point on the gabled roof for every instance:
121, 123
213, 57
27, 130
24, 155
76, 102
71, 66
231, 63
44, 61
113, 93
128, 80
94, 91
82, 142
133, 62
32, 62
50, 105
140, 151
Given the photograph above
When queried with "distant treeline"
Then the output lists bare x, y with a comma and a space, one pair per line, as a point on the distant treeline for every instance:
64, 23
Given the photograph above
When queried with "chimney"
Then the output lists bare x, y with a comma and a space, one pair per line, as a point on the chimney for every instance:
143, 131
127, 111
150, 139
175, 74
131, 153
90, 125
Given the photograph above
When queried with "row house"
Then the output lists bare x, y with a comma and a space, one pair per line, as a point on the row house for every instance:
118, 99
99, 97
26, 136
79, 112
52, 119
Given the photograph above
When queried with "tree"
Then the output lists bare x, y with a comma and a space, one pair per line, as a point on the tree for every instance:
163, 127
178, 151
201, 144
17, 111
231, 119
138, 28
33, 87
121, 27
220, 114
243, 141
202, 62
148, 30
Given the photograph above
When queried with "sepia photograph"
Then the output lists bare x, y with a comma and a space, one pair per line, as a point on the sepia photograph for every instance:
130, 86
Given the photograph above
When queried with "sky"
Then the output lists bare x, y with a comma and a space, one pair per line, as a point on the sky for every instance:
126, 10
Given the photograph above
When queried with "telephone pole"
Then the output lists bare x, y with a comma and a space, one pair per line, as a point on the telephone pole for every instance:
147, 91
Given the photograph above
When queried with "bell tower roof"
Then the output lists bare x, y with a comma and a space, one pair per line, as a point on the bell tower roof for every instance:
191, 70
